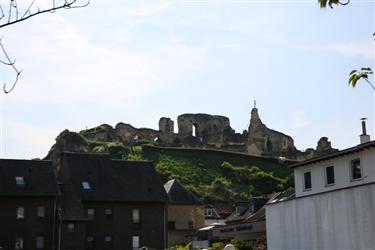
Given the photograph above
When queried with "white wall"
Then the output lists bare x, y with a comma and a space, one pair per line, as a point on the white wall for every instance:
342, 173
342, 219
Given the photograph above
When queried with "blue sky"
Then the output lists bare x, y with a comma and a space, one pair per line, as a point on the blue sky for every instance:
136, 61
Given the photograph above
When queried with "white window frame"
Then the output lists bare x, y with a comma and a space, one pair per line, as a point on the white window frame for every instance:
71, 227
90, 215
86, 185
135, 242
20, 181
18, 244
351, 169
136, 215
208, 212
20, 213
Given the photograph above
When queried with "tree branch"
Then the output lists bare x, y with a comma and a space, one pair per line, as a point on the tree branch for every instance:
9, 62
13, 17
66, 5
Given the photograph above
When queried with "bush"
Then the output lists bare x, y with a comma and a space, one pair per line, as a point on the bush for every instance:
242, 244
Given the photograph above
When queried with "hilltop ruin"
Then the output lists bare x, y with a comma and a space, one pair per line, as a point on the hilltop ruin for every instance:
209, 131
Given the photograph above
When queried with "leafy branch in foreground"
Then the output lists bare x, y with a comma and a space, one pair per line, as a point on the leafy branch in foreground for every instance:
354, 75
364, 74
330, 3
12, 13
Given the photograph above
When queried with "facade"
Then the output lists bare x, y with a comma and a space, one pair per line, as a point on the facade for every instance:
247, 222
28, 192
185, 214
93, 203
334, 203
110, 204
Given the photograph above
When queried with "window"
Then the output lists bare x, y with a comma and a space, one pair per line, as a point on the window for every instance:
20, 213
307, 179
136, 216
91, 213
40, 211
330, 175
108, 241
191, 224
20, 181
71, 227
208, 212
39, 242
86, 185
90, 241
18, 243
135, 242
171, 225
108, 213
355, 169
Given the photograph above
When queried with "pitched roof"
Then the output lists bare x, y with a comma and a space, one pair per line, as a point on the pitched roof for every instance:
111, 180
347, 151
178, 194
38, 178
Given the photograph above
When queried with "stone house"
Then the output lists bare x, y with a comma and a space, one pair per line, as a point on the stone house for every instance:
28, 192
334, 203
185, 214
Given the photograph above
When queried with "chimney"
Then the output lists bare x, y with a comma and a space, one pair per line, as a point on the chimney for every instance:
364, 137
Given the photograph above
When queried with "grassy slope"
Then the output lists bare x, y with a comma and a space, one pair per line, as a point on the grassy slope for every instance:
215, 176
219, 176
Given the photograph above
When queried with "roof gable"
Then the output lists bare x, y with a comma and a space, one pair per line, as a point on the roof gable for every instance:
178, 194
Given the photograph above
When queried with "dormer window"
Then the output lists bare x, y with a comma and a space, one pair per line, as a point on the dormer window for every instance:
238, 210
208, 212
20, 181
86, 185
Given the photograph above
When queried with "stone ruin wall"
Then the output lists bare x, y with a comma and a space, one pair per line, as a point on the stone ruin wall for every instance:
210, 131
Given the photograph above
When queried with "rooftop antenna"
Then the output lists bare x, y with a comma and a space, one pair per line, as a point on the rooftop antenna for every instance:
255, 103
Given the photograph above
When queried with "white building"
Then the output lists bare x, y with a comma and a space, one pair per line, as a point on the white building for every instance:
334, 204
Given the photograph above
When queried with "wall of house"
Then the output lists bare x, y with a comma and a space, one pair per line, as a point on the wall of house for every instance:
342, 173
181, 215
31, 226
341, 219
120, 226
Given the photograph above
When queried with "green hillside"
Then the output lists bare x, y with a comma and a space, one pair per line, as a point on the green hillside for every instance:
215, 176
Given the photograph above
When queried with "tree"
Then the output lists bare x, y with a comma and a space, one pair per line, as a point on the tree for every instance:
13, 12
355, 75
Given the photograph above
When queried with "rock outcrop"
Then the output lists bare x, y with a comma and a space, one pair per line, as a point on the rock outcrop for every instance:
195, 130
66, 141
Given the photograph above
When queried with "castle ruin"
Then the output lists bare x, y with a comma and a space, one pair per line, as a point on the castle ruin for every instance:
210, 131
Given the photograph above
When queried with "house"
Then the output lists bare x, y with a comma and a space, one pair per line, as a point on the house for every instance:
185, 213
334, 203
110, 204
247, 221
211, 216
28, 192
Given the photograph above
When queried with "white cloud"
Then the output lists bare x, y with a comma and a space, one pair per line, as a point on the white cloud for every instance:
63, 66
354, 49
300, 120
